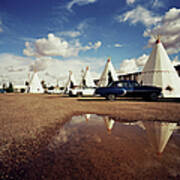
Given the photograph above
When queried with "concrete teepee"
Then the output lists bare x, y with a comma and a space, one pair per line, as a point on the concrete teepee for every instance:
70, 83
159, 71
87, 80
109, 74
35, 85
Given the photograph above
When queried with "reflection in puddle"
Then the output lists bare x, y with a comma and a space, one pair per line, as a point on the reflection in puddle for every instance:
92, 147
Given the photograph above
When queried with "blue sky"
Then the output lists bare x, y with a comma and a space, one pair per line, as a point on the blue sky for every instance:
68, 30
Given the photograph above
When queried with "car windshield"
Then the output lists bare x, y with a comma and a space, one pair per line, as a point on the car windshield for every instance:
112, 84
120, 84
126, 84
135, 84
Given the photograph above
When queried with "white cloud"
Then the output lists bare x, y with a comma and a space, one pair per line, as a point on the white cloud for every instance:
72, 34
79, 2
97, 45
137, 64
83, 25
16, 68
1, 29
133, 65
157, 4
176, 61
56, 46
38, 66
130, 1
168, 28
139, 14
77, 31
118, 45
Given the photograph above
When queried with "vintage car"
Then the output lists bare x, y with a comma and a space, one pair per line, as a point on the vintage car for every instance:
128, 88
78, 91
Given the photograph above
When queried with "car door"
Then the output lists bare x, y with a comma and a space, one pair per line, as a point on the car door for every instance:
129, 88
138, 90
120, 90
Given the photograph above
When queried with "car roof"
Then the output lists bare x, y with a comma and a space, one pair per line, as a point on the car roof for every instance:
125, 81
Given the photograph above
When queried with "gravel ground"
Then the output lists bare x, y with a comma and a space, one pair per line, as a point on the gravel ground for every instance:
28, 122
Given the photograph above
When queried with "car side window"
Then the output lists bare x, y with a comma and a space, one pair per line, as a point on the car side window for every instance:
120, 85
125, 84
135, 84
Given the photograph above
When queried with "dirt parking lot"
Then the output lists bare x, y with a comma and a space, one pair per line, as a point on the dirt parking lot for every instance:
29, 121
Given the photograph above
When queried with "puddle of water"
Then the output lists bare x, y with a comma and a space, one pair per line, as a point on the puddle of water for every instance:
98, 147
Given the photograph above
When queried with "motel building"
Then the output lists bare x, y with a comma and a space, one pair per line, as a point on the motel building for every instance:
136, 75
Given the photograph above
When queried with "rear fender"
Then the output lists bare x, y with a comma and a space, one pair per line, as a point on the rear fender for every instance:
124, 92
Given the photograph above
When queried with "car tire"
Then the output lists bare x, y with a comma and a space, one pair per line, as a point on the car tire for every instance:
111, 97
153, 96
70, 94
79, 94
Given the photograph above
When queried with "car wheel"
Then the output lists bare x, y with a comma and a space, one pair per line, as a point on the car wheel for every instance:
153, 96
79, 94
70, 94
111, 97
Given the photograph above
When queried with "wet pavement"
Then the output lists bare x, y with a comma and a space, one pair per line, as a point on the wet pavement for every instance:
99, 147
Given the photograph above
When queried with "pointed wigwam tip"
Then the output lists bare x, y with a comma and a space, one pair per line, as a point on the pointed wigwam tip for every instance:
109, 59
159, 153
158, 40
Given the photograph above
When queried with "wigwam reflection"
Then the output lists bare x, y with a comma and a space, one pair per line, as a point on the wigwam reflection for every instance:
109, 122
159, 134
93, 147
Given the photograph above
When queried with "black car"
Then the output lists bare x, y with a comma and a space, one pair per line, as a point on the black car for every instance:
128, 88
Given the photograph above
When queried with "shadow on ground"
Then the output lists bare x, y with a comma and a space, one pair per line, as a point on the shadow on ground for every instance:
171, 100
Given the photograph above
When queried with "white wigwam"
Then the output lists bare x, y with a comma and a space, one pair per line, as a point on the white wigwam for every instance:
159, 134
71, 82
109, 122
87, 117
87, 80
35, 85
109, 74
159, 71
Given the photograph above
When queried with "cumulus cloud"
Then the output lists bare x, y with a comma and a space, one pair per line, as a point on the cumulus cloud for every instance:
97, 45
130, 1
168, 28
137, 64
37, 65
16, 69
133, 65
58, 70
79, 2
139, 14
56, 46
